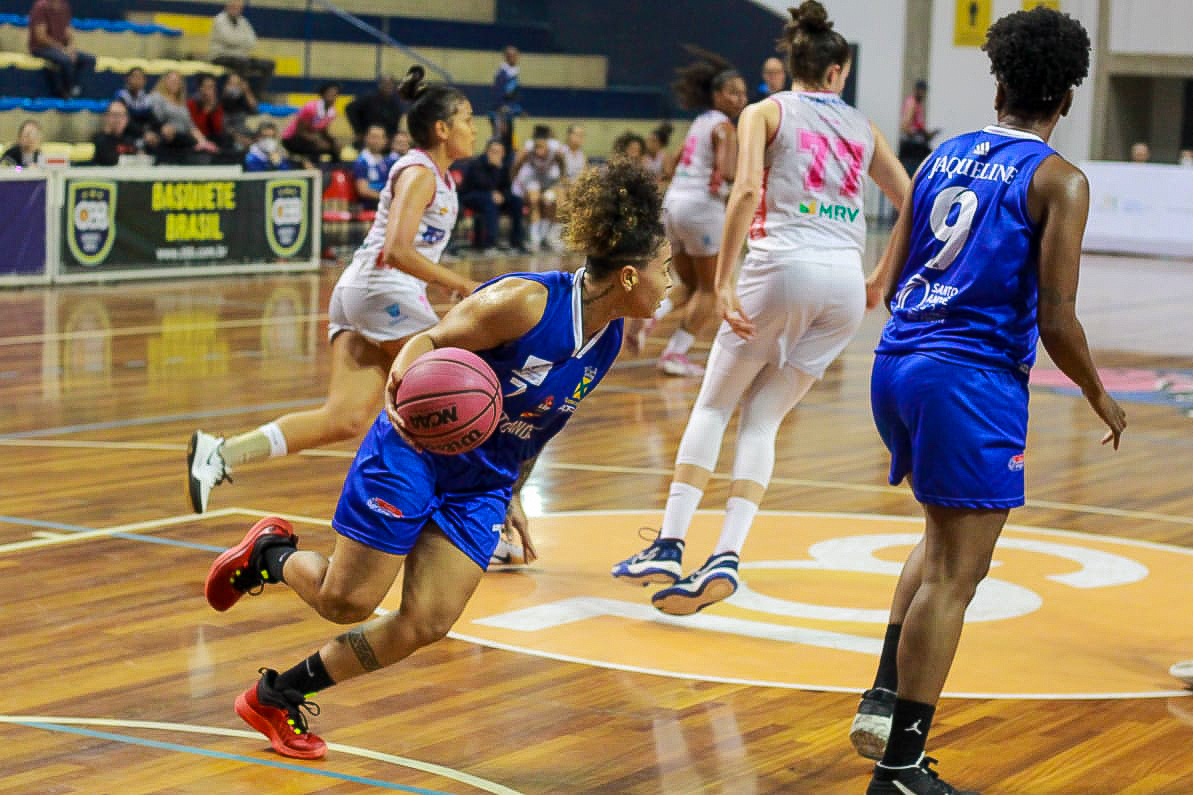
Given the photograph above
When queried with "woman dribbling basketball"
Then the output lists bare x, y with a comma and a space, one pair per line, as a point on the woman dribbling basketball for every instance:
549, 338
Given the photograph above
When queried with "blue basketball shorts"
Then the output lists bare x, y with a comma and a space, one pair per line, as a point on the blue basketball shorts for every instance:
958, 431
392, 491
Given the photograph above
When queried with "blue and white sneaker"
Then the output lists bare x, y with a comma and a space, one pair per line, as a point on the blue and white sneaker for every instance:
717, 579
661, 563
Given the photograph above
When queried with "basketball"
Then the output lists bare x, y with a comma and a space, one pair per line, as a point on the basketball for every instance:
449, 400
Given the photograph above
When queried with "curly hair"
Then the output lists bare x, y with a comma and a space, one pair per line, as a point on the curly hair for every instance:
811, 44
621, 144
613, 215
696, 83
1037, 56
430, 103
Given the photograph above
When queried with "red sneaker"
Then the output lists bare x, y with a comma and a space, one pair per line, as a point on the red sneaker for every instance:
278, 715
240, 570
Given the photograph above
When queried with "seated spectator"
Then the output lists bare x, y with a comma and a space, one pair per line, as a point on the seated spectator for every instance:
238, 102
52, 39
371, 168
179, 141
485, 189
398, 146
266, 153
537, 171
573, 152
26, 151
1185, 158
383, 107
116, 136
136, 98
1140, 152
307, 135
232, 43
208, 118
630, 144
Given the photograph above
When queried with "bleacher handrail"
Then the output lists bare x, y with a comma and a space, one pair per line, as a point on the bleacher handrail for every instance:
382, 37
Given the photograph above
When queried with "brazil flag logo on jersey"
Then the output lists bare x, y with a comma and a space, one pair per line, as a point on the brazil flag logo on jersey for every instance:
287, 216
90, 211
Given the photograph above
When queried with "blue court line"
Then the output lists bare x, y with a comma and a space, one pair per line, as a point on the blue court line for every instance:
74, 528
136, 421
187, 749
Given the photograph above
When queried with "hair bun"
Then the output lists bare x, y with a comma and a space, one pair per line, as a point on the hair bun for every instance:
412, 84
811, 17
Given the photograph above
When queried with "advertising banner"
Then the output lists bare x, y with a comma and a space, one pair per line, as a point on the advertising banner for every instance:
23, 232
155, 224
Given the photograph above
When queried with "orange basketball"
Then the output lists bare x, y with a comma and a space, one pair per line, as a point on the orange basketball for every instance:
449, 400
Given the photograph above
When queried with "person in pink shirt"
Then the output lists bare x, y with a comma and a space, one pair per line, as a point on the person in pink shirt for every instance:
307, 134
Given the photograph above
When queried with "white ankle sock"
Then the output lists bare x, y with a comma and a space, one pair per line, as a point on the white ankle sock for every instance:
739, 516
682, 503
680, 342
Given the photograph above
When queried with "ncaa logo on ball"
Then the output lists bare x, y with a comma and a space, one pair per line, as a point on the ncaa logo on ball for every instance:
287, 215
91, 209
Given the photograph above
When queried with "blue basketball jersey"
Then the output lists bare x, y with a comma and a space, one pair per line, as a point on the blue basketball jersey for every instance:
544, 376
968, 291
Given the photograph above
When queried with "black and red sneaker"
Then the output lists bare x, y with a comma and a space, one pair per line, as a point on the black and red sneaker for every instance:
278, 715
241, 569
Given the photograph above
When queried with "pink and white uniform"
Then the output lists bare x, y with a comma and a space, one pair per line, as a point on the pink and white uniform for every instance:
692, 216
385, 303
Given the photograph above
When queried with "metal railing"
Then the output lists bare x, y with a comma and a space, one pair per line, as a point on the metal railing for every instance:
383, 39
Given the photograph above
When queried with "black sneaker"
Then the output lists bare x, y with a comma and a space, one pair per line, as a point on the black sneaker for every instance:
872, 724
915, 780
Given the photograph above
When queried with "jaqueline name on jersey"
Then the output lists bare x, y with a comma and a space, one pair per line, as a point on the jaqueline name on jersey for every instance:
968, 167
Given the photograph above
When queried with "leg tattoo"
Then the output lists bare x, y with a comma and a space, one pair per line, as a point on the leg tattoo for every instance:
355, 638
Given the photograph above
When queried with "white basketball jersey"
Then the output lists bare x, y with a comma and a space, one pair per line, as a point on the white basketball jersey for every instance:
698, 158
434, 228
814, 172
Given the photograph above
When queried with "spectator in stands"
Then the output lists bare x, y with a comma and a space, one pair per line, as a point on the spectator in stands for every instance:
52, 39
485, 189
208, 117
266, 153
398, 146
1140, 152
1185, 158
774, 77
537, 171
180, 142
630, 144
307, 135
383, 107
656, 158
505, 83
575, 161
26, 151
116, 136
232, 42
136, 98
915, 139
371, 168
238, 103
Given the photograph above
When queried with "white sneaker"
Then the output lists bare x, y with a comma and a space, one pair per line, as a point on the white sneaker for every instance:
205, 468
1183, 671
507, 553
679, 364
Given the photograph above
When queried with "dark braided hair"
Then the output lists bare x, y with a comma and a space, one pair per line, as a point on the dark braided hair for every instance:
1037, 56
696, 83
811, 44
613, 215
430, 103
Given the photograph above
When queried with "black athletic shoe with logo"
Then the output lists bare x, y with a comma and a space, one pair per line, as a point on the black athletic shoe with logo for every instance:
915, 780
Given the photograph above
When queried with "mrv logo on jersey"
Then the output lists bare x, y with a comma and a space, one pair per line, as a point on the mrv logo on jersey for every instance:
833, 212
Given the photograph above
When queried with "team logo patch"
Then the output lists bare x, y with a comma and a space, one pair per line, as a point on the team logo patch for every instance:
90, 212
431, 235
394, 311
287, 216
381, 506
1015, 464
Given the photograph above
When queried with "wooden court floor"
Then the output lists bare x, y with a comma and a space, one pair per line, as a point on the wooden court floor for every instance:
117, 678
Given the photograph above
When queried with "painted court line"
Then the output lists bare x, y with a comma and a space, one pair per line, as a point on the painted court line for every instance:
73, 726
117, 530
17, 440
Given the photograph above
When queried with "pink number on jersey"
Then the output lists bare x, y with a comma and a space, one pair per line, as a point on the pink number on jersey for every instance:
851, 152
689, 146
758, 223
